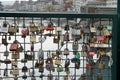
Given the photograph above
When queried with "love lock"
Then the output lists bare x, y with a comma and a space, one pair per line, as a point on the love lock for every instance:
41, 39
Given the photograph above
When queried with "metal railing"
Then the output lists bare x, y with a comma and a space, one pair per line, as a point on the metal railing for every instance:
61, 19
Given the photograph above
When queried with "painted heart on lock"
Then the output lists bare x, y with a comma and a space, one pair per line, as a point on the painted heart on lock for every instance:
24, 31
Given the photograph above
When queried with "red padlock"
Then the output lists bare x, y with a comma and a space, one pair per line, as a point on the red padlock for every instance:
24, 31
100, 38
87, 65
49, 28
92, 53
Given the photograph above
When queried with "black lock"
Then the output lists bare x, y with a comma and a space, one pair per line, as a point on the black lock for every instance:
24, 77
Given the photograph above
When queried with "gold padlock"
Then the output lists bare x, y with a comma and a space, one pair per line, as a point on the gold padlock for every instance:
106, 32
101, 65
33, 28
83, 54
6, 53
55, 40
53, 55
58, 61
92, 29
14, 63
32, 38
106, 40
15, 72
15, 56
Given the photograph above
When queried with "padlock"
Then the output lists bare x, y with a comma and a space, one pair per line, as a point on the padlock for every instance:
4, 27
15, 55
67, 36
6, 53
42, 28
24, 76
75, 45
15, 72
14, 46
12, 29
54, 55
101, 65
55, 40
106, 32
77, 56
24, 32
32, 38
92, 29
77, 64
14, 63
4, 40
32, 27
41, 69
59, 68
49, 27
67, 63
24, 69
87, 65
83, 54
59, 29
66, 51
109, 27
66, 27
40, 54
58, 61
91, 54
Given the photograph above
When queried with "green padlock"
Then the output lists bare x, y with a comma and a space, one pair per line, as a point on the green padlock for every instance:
109, 27
77, 56
59, 69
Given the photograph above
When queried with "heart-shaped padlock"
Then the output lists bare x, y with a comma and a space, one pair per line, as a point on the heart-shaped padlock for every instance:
24, 32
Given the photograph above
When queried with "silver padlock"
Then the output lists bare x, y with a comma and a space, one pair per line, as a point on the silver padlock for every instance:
75, 45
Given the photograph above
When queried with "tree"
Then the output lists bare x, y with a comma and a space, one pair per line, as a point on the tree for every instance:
1, 6
48, 8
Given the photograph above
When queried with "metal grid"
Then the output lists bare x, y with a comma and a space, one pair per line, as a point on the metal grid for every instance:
99, 21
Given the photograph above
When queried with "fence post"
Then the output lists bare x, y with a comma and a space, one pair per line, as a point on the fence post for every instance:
118, 38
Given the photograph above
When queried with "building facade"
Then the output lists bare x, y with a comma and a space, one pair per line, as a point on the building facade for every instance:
79, 6
99, 6
111, 3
